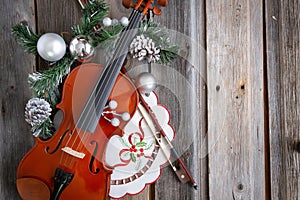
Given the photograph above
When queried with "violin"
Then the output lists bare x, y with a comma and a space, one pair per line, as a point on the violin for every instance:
71, 164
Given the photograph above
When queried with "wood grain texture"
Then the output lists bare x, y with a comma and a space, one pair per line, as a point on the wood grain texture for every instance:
181, 90
15, 137
283, 56
229, 160
177, 90
235, 99
57, 16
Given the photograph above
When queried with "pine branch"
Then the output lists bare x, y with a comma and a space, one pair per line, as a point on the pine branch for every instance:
160, 37
157, 34
107, 37
45, 84
26, 37
93, 13
168, 54
43, 130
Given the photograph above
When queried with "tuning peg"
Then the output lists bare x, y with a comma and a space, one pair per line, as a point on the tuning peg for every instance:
127, 3
156, 10
163, 3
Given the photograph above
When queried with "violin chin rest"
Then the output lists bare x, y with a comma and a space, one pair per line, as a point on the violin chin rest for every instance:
32, 189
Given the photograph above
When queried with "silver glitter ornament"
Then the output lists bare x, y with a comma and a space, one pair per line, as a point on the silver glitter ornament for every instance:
145, 82
51, 47
114, 22
37, 111
81, 48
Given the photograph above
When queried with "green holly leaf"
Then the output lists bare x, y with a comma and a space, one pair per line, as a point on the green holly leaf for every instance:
133, 158
141, 144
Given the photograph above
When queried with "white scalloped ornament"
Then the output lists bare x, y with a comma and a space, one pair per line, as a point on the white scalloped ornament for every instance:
136, 157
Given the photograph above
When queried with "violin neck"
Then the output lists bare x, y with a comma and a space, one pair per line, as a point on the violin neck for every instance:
93, 109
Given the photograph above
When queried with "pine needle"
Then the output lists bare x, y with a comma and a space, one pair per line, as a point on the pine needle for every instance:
43, 130
45, 84
93, 13
25, 37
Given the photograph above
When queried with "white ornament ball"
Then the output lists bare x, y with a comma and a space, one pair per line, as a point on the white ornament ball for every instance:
51, 47
145, 82
124, 21
107, 21
115, 122
126, 116
113, 104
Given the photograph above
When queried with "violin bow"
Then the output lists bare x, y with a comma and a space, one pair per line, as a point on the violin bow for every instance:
180, 170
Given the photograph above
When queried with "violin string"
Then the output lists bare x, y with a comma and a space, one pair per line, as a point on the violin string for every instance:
86, 116
108, 76
84, 110
111, 61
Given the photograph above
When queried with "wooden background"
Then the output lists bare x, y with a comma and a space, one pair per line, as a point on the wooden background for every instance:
233, 94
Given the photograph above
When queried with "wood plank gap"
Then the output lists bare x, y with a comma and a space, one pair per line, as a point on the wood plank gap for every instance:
151, 192
266, 107
206, 96
36, 68
36, 16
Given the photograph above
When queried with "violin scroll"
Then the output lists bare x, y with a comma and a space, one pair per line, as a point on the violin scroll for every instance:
163, 3
146, 5
127, 3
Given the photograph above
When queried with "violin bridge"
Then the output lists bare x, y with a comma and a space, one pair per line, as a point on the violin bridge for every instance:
72, 152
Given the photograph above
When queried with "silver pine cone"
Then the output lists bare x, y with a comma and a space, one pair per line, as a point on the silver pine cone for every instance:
37, 111
144, 48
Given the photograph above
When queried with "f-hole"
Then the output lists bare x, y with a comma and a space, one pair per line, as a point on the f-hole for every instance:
59, 142
93, 158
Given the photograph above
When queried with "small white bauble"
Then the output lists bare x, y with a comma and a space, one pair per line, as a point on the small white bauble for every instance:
51, 47
145, 82
124, 21
107, 21
125, 116
115, 122
113, 104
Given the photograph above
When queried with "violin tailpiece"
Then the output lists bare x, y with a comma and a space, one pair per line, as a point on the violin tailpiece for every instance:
61, 180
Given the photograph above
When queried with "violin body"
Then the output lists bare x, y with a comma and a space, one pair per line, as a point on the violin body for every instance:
71, 165
48, 172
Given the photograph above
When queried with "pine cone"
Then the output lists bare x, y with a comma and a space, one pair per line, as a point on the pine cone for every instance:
37, 111
144, 48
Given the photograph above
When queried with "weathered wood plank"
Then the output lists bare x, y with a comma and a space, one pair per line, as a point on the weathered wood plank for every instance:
180, 89
235, 99
57, 16
15, 137
283, 57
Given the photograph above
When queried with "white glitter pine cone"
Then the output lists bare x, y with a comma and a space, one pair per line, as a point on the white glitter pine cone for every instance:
37, 111
144, 48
